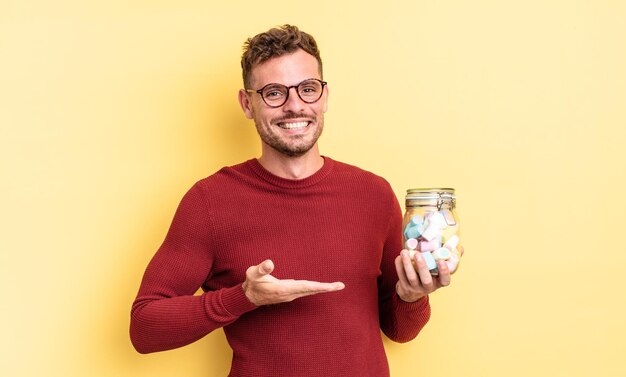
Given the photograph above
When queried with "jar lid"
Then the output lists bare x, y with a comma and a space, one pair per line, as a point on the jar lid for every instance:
430, 193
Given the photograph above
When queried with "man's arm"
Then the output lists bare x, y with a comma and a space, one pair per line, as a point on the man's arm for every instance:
167, 315
400, 319
161, 323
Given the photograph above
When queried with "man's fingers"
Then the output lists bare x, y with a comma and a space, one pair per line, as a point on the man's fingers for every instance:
310, 287
330, 287
289, 290
409, 270
444, 273
414, 283
424, 274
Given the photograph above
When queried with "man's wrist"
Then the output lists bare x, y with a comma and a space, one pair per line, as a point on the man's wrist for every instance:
411, 297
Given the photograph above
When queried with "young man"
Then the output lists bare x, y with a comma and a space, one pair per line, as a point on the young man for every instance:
246, 232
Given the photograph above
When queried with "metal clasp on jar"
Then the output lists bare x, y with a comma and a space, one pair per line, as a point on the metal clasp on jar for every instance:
446, 197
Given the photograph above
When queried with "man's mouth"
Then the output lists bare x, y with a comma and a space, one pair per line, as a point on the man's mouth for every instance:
293, 125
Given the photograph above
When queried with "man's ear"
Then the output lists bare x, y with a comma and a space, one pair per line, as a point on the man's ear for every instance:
325, 97
244, 102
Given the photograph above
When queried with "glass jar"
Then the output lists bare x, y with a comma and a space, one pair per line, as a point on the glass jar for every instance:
431, 226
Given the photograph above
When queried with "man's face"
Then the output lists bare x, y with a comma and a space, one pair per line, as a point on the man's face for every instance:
293, 128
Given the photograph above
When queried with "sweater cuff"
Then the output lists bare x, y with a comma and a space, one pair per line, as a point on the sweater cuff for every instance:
235, 301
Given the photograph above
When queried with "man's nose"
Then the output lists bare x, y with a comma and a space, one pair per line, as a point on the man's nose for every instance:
294, 103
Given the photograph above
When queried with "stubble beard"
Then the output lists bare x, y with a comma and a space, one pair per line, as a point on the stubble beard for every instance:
291, 145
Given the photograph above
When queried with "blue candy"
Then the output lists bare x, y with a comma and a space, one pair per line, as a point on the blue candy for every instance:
430, 260
413, 231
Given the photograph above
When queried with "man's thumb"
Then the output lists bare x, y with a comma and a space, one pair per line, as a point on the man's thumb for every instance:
266, 267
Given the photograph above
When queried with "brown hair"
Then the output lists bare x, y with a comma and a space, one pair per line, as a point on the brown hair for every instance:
274, 43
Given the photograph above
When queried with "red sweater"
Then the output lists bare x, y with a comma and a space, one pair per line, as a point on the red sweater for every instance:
340, 224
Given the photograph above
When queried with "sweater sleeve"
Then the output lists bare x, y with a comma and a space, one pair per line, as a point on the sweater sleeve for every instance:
166, 314
401, 321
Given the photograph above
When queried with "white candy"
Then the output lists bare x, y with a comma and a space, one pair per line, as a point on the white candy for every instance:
452, 242
437, 219
431, 232
434, 225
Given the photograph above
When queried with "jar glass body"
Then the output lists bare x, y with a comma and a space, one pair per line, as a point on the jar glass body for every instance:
431, 224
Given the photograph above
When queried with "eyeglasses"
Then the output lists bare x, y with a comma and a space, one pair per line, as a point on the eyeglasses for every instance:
276, 95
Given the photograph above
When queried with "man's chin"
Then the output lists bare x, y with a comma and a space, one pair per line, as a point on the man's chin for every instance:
294, 152
291, 146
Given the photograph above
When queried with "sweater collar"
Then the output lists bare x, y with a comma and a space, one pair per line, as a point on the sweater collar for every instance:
275, 180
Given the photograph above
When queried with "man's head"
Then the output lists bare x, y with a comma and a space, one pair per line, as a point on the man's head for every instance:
285, 94
274, 43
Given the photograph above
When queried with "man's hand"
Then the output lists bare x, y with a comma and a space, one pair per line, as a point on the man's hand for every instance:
261, 288
414, 285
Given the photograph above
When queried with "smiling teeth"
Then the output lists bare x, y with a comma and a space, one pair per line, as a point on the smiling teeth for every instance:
290, 126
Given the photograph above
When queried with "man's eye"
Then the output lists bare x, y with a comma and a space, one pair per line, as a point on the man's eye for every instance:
273, 94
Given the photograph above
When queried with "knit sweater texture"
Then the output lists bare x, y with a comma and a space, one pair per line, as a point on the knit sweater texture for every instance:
340, 224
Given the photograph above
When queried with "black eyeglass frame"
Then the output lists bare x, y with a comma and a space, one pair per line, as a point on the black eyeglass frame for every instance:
260, 91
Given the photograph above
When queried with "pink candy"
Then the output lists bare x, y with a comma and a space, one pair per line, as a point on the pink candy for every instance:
411, 244
425, 245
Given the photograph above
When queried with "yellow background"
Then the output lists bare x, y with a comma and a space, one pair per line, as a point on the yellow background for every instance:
111, 110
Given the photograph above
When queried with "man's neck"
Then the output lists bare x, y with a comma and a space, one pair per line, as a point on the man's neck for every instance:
292, 167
